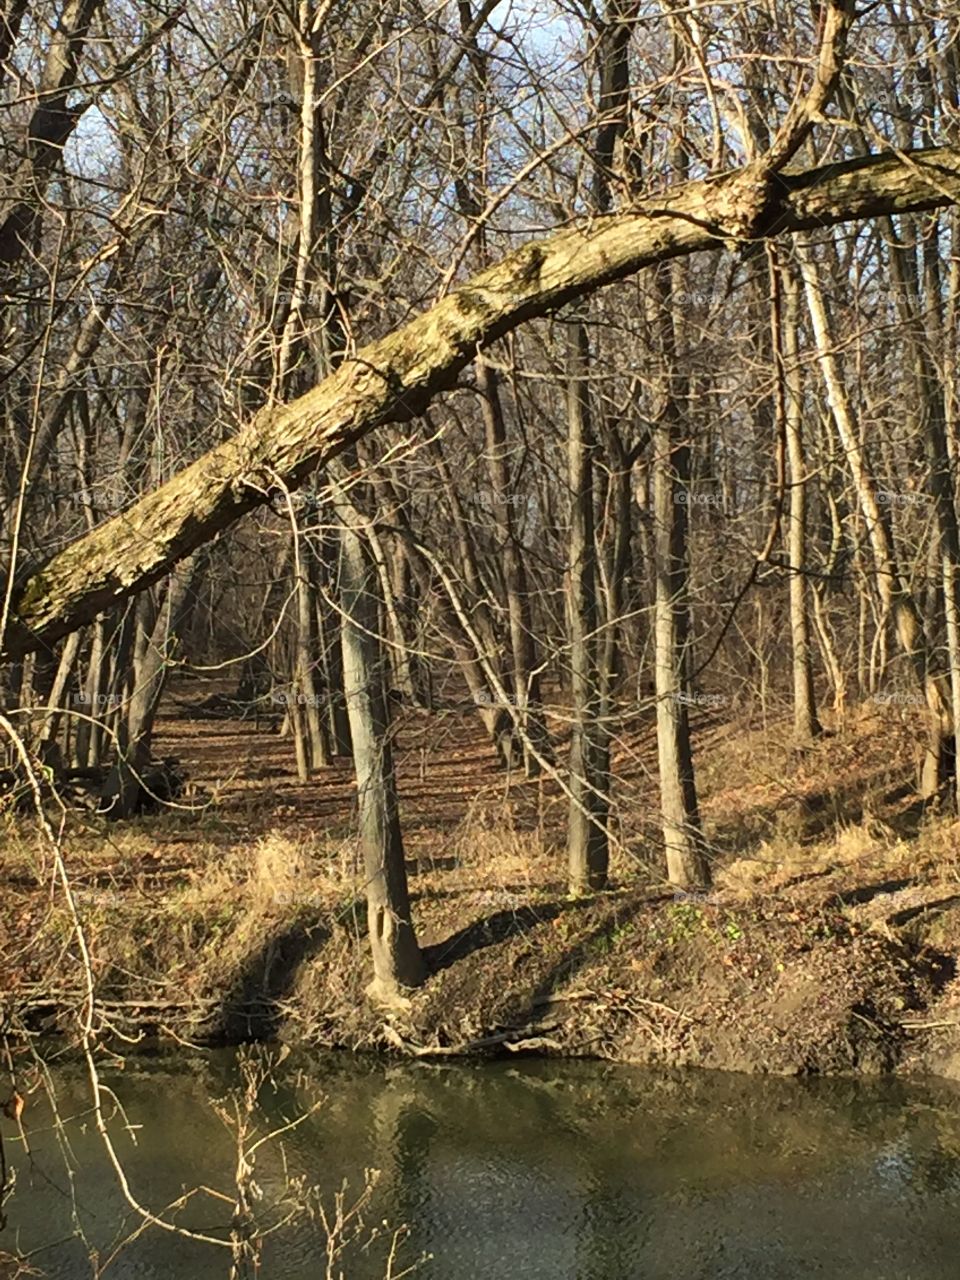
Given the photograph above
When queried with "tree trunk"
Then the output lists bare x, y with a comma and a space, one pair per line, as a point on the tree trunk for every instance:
897, 601
687, 865
399, 654
524, 678
929, 412
397, 961
307, 723
806, 725
614, 539
122, 791
49, 129
50, 751
588, 853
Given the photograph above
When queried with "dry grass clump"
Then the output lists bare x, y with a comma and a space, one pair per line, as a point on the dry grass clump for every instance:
747, 875
490, 846
286, 869
24, 849
855, 853
277, 870
254, 891
782, 859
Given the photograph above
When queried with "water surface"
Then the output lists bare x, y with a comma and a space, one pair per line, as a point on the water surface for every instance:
559, 1170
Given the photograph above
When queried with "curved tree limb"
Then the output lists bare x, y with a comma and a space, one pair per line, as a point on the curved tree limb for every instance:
836, 18
394, 378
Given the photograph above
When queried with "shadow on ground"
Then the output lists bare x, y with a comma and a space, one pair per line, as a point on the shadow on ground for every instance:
490, 931
252, 1007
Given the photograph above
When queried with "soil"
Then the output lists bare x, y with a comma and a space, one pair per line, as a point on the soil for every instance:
828, 945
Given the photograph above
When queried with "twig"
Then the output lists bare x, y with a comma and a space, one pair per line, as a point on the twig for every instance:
657, 1004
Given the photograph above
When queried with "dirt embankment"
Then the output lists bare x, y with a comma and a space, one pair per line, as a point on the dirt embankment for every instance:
830, 944
808, 981
822, 973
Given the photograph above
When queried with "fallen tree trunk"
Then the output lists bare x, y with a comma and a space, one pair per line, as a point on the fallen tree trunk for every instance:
394, 378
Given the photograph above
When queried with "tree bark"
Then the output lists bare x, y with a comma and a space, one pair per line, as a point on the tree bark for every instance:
397, 960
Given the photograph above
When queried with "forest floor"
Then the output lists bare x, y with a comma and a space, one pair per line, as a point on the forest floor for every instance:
830, 942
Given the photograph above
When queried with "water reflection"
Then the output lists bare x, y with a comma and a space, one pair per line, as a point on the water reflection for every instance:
560, 1170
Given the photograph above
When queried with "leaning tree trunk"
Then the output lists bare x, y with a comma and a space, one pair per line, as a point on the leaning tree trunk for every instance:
896, 598
395, 377
397, 961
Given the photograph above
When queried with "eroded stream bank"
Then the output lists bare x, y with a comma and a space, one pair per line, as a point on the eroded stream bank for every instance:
829, 943
812, 978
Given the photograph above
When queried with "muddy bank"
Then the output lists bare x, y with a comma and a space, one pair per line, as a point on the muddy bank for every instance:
839, 969
801, 985
830, 945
